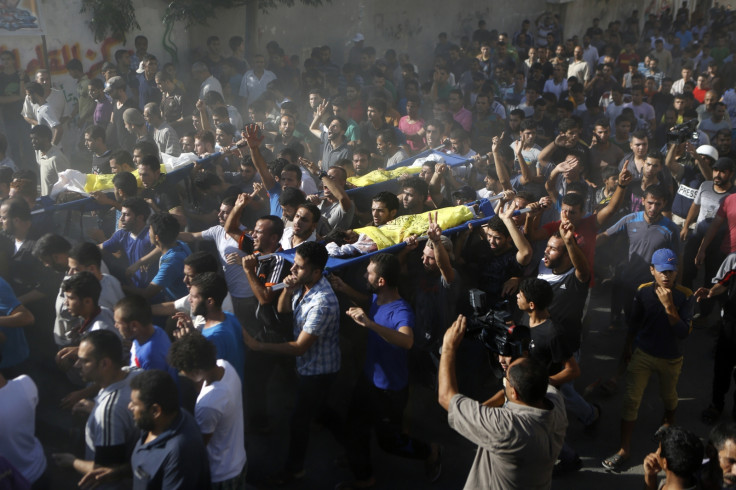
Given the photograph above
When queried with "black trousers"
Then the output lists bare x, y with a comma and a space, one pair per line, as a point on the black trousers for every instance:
725, 360
383, 411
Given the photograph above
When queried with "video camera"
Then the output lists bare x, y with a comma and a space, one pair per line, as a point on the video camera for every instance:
683, 132
494, 326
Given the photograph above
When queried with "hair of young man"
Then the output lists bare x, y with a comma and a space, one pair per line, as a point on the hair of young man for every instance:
193, 352
105, 344
496, 224
126, 182
292, 167
683, 451
165, 226
314, 253
151, 162
530, 380
135, 308
95, 132
537, 291
419, 185
156, 387
137, 206
313, 210
389, 199
50, 244
291, 196
387, 267
86, 254
211, 285
83, 285
657, 192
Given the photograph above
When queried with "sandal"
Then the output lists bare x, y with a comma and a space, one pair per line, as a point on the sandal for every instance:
614, 462
710, 415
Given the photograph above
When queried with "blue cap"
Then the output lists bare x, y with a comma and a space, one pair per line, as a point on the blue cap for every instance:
664, 259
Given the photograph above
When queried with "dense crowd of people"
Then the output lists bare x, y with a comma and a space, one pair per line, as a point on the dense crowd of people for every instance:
609, 158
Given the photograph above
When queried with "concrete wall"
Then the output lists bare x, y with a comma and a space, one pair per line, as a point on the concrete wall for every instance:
68, 36
407, 25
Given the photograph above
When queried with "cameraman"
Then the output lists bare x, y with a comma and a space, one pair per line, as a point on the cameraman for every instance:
530, 427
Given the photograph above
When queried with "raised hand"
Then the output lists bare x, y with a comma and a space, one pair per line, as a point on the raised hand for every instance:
434, 232
242, 200
358, 315
253, 136
625, 177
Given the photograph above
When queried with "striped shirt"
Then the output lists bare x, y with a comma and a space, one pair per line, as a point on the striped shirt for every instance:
318, 313
110, 434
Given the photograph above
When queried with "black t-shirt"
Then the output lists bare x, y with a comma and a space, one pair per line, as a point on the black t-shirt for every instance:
164, 196
549, 346
568, 304
271, 326
492, 270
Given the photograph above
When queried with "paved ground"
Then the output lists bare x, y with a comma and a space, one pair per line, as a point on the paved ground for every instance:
601, 349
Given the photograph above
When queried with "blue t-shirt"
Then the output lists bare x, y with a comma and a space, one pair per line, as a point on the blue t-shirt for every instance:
15, 348
273, 195
152, 354
170, 274
386, 365
228, 339
134, 249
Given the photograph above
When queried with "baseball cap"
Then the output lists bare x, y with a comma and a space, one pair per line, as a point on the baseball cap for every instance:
358, 37
664, 259
114, 83
724, 163
708, 151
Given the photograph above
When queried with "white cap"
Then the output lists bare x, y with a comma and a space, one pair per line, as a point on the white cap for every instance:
708, 151
140, 68
358, 37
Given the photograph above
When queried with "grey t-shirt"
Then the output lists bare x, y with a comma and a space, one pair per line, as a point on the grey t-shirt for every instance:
709, 200
511, 440
336, 216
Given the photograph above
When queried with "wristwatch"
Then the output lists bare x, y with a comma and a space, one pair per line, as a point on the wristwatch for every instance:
323, 174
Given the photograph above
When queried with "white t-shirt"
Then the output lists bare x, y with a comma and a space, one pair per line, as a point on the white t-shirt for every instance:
111, 291
288, 235
237, 283
18, 442
183, 305
219, 411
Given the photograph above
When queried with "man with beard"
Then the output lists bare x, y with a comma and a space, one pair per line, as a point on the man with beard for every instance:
388, 148
149, 343
170, 453
117, 135
206, 295
362, 162
661, 317
49, 157
381, 394
316, 315
133, 239
723, 439
436, 287
647, 231
110, 433
414, 196
331, 132
304, 227
500, 260
336, 206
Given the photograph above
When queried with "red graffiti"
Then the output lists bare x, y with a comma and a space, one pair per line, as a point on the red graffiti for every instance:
58, 58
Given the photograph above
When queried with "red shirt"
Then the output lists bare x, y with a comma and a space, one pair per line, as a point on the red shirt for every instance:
585, 234
728, 211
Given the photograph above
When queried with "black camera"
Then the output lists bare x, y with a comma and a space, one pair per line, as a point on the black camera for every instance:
683, 132
495, 327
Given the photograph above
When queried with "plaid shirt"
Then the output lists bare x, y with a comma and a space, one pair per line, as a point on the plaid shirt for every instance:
318, 313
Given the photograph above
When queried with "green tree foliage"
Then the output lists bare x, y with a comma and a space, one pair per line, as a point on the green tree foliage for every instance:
116, 17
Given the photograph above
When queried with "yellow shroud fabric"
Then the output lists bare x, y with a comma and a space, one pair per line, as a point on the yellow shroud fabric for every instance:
378, 176
397, 230
103, 182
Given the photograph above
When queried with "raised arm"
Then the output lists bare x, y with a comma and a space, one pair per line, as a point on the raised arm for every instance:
253, 137
577, 257
319, 117
440, 253
624, 179
447, 379
523, 247
232, 223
